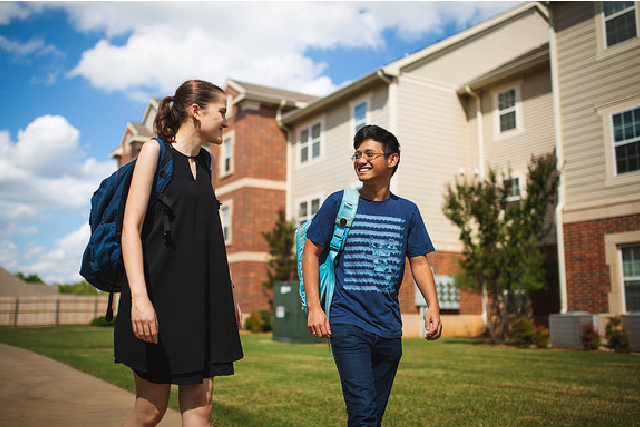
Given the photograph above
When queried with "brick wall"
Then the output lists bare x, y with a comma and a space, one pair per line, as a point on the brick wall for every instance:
247, 278
259, 152
586, 271
445, 264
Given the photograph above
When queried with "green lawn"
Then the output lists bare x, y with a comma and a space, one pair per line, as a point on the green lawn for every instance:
450, 382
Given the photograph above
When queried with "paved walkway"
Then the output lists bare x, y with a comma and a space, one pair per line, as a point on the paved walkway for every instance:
38, 391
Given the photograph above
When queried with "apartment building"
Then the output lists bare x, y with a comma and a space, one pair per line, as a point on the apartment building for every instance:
445, 104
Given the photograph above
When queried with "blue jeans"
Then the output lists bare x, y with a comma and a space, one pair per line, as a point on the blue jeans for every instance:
367, 365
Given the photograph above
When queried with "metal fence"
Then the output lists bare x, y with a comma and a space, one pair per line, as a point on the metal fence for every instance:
52, 310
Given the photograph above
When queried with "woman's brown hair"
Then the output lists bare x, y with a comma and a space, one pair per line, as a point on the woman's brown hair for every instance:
172, 110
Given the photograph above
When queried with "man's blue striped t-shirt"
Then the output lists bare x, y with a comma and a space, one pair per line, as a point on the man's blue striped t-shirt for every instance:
371, 266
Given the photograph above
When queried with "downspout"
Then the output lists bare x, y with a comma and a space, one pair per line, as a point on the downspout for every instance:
479, 130
559, 145
392, 81
481, 171
287, 131
283, 102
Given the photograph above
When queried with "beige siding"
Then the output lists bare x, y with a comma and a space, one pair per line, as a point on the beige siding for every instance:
485, 51
594, 83
534, 135
436, 137
433, 138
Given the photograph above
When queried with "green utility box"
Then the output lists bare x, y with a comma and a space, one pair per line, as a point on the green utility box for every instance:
289, 322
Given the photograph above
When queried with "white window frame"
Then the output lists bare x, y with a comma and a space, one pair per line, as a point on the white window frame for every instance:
513, 176
605, 19
615, 144
515, 109
606, 113
309, 200
228, 142
623, 278
309, 143
613, 259
354, 122
448, 293
227, 206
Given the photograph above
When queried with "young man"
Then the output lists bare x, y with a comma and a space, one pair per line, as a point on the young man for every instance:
365, 325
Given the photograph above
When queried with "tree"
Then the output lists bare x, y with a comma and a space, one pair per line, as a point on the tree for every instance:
281, 238
31, 279
501, 238
81, 288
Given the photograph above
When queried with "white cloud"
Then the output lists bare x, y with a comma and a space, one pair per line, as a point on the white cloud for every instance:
261, 42
44, 170
61, 263
17, 10
33, 46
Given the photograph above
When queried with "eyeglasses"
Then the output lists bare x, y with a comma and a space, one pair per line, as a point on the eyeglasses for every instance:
368, 156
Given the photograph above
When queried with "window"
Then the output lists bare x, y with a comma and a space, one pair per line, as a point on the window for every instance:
631, 277
619, 21
512, 185
507, 110
225, 218
307, 209
309, 142
448, 294
360, 115
226, 157
626, 140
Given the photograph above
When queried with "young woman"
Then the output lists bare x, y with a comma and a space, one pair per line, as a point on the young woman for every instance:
178, 320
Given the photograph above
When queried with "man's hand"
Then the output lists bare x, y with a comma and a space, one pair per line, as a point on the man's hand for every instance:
433, 325
318, 323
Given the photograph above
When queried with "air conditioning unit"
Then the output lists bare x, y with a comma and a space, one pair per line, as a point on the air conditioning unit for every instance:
566, 329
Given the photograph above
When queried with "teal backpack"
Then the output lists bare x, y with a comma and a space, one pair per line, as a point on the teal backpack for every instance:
328, 258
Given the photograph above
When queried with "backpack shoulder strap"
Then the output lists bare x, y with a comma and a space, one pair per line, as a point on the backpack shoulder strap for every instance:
344, 219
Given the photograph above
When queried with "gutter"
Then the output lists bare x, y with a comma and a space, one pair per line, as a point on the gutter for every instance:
555, 88
346, 91
481, 167
481, 161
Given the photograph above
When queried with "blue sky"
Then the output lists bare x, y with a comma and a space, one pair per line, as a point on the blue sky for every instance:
73, 73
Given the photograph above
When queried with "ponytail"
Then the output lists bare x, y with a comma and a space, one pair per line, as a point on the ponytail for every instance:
168, 119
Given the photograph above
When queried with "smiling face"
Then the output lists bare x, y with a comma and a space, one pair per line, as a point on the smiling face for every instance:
379, 167
213, 121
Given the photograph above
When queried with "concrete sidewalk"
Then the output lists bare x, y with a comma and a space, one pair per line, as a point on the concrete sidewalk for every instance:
38, 391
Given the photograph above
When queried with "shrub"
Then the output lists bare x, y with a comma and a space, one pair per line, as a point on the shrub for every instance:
590, 338
541, 336
617, 337
254, 323
523, 332
266, 317
101, 321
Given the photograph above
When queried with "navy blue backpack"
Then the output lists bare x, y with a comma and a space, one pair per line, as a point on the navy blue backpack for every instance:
102, 264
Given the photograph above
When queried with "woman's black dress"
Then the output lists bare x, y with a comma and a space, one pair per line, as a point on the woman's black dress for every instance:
189, 285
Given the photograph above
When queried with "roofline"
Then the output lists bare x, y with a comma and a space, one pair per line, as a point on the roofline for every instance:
393, 70
378, 75
395, 67
529, 62
247, 95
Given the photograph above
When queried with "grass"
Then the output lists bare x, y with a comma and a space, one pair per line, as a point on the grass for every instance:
450, 382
